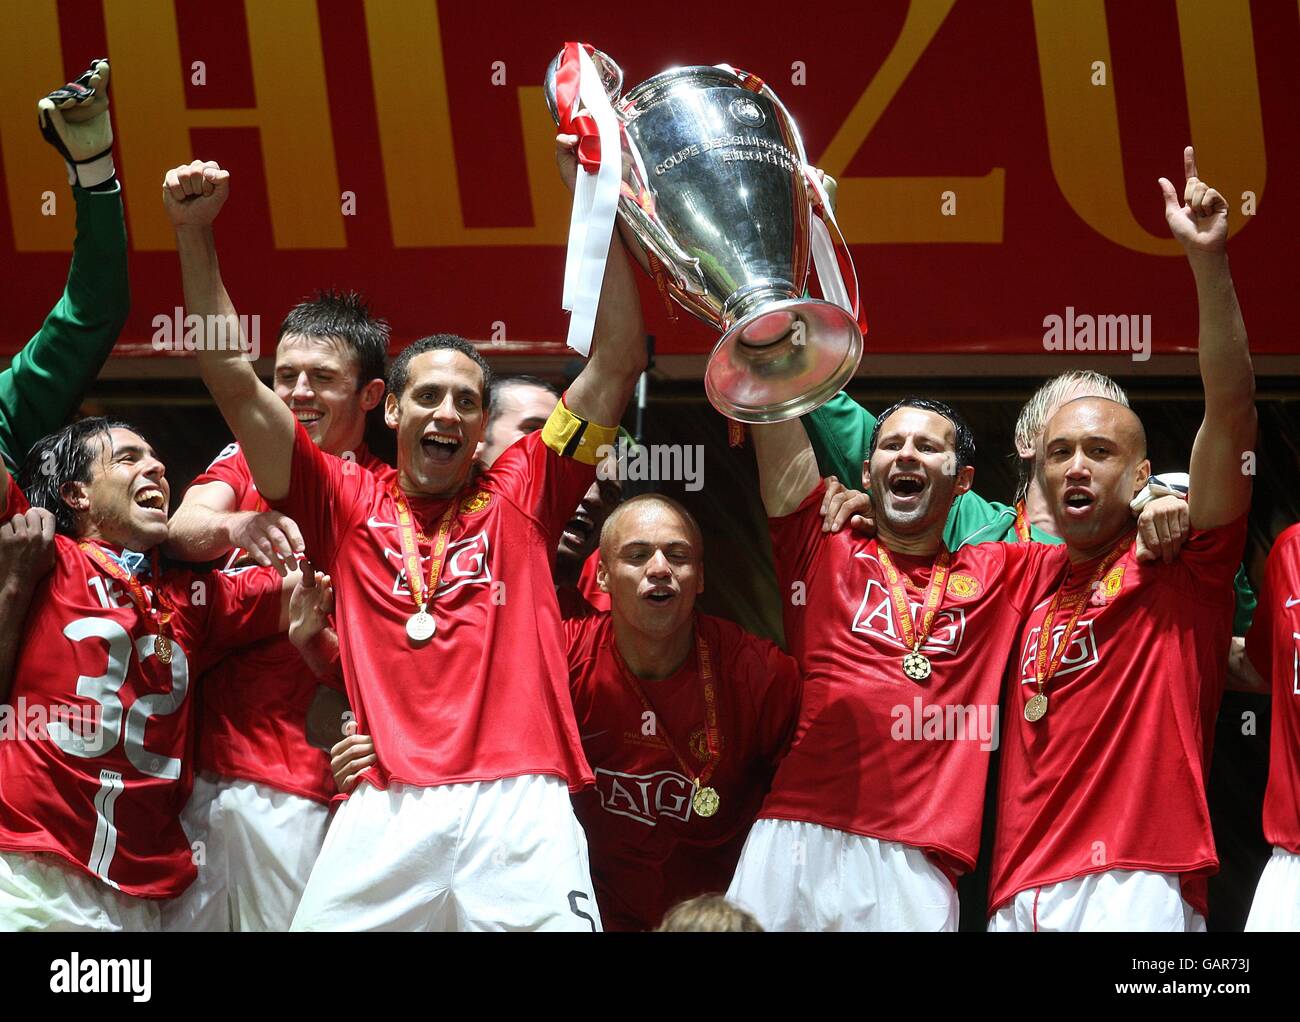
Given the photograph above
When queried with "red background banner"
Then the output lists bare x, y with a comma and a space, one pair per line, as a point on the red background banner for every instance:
997, 160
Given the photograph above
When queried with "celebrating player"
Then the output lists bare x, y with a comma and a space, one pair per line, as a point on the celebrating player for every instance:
902, 643
683, 718
94, 778
1274, 648
1102, 818
465, 821
261, 800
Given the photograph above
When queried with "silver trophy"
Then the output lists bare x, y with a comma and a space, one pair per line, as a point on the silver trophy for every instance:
713, 188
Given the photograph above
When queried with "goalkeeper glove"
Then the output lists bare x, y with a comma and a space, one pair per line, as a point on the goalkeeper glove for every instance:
74, 119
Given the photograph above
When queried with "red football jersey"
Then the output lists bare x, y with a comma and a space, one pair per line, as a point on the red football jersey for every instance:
1113, 777
589, 587
877, 753
1274, 648
488, 696
649, 849
249, 728
96, 765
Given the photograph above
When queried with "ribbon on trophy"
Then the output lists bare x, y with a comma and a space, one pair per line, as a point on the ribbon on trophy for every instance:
585, 111
835, 273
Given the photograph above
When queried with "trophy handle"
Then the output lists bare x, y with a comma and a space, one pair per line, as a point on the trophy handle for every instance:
611, 76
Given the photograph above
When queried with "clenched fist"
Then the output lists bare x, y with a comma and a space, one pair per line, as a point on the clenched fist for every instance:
194, 194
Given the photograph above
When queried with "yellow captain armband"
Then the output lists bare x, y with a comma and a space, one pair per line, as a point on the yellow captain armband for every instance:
572, 437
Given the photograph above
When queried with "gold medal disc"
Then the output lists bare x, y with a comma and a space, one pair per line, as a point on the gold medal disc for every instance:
162, 649
705, 801
1036, 708
916, 666
420, 626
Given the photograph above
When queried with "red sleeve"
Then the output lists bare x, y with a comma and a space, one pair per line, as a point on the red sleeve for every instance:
797, 541
1032, 570
325, 494
228, 467
15, 500
1207, 563
544, 485
244, 607
578, 637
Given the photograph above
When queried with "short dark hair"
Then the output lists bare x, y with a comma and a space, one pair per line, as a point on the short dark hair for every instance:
965, 438
503, 383
347, 316
61, 458
400, 369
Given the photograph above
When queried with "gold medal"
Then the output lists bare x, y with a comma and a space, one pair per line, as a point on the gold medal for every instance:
705, 800
916, 666
1036, 708
162, 649
420, 626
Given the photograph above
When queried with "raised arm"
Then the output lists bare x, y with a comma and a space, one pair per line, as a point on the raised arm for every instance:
787, 466
26, 556
618, 351
45, 383
193, 196
1220, 486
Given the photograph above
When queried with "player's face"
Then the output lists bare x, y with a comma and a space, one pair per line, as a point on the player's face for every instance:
1035, 447
1092, 467
127, 498
913, 471
652, 569
582, 532
439, 421
523, 409
317, 378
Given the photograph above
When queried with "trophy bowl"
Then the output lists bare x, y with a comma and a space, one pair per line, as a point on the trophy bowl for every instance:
715, 199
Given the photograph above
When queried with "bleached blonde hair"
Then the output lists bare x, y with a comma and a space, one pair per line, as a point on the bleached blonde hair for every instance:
1034, 415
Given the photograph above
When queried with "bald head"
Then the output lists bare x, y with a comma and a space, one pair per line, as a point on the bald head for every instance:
644, 511
1094, 461
1105, 416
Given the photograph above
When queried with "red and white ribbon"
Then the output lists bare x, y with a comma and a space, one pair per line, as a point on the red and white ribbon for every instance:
835, 272
578, 87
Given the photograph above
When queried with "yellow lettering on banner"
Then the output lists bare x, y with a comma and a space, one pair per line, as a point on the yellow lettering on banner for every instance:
406, 54
31, 64
1083, 125
292, 112
889, 210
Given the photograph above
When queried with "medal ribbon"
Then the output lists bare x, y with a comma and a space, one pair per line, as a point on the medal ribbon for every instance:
712, 735
114, 570
913, 638
1022, 523
409, 530
1045, 670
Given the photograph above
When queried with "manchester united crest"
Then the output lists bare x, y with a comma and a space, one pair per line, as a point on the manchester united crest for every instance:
699, 744
1113, 582
477, 502
963, 587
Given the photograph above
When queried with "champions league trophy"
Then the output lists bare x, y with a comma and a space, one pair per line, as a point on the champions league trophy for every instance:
715, 189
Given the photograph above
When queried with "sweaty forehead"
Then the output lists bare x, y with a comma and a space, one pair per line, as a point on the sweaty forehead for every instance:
1097, 416
122, 440
651, 522
298, 352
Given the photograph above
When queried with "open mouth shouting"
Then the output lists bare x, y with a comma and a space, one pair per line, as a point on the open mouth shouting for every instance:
152, 499
1079, 501
440, 448
906, 487
578, 530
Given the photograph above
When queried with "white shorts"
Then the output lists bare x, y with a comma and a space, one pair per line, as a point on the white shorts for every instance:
1119, 900
805, 877
1277, 898
489, 855
43, 892
258, 846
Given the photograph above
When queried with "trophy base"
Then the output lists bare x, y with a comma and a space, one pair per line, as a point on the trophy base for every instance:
783, 360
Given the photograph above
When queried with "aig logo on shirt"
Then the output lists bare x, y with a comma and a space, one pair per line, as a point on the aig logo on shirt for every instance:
645, 797
876, 615
1082, 652
466, 563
